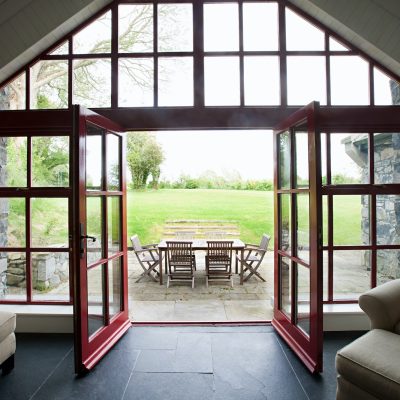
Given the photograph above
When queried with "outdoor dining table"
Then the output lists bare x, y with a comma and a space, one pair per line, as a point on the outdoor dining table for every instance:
198, 244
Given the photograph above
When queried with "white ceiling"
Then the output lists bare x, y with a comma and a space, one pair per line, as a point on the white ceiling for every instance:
371, 25
28, 27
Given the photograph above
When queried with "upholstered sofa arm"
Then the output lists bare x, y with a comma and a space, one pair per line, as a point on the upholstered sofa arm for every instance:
382, 305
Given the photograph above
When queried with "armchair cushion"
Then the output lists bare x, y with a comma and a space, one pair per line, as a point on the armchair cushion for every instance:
7, 324
372, 363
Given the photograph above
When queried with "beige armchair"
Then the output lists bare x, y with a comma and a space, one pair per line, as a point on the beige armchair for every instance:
369, 368
7, 341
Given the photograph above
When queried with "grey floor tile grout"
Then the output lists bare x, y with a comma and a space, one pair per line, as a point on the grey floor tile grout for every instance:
130, 375
291, 367
50, 374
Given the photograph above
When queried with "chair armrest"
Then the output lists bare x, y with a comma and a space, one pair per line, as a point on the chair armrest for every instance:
148, 246
144, 251
251, 245
382, 305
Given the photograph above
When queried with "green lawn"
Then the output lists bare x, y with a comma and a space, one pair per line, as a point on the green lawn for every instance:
253, 211
148, 210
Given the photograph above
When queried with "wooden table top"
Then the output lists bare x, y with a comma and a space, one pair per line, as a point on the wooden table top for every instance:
201, 244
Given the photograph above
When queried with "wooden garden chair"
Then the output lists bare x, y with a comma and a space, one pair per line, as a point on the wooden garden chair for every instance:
252, 259
219, 261
148, 258
181, 262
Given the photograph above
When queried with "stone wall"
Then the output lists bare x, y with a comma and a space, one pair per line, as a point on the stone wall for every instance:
387, 171
48, 270
3, 217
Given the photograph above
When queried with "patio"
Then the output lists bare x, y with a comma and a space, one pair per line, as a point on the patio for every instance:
150, 302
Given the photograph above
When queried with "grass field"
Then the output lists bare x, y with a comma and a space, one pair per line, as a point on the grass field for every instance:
253, 211
148, 211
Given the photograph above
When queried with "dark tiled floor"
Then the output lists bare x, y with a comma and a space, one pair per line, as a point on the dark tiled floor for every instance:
190, 363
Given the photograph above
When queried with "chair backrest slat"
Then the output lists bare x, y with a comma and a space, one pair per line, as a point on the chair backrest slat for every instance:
219, 248
136, 243
264, 242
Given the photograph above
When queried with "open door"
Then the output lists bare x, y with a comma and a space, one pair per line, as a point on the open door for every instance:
298, 312
99, 235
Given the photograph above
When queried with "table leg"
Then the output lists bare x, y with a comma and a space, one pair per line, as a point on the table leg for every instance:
241, 266
236, 262
160, 258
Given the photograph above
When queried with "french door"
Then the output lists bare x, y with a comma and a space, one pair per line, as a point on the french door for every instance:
298, 312
99, 235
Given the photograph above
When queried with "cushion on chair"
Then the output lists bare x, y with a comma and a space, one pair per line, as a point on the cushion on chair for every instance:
347, 391
397, 328
7, 324
372, 363
7, 347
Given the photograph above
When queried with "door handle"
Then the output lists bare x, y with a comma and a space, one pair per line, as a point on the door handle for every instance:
88, 237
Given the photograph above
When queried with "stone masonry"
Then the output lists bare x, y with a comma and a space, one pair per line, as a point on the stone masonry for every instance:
387, 171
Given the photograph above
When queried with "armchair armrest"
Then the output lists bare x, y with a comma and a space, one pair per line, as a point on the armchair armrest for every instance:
382, 305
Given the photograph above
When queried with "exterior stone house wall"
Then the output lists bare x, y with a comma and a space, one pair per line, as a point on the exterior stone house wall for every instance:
387, 170
3, 217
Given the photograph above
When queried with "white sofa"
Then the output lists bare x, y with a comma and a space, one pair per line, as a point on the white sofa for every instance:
7, 341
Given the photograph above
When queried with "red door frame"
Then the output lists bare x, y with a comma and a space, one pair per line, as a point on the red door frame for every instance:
309, 349
89, 352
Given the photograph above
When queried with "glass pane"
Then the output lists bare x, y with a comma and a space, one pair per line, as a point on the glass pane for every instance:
135, 82
13, 276
386, 90
261, 81
221, 27
349, 72
323, 158
92, 82
135, 28
95, 38
286, 228
301, 34
94, 161
334, 45
386, 157
94, 224
50, 161
175, 81
260, 26
221, 81
115, 286
13, 95
286, 285
13, 161
50, 276
388, 265
303, 227
351, 274
12, 222
325, 275
351, 220
61, 50
114, 227
325, 220
284, 160
175, 27
49, 222
113, 162
302, 178
387, 219
306, 80
95, 286
49, 84
303, 298
349, 158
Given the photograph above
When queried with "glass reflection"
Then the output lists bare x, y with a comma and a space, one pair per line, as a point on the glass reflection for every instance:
114, 228
286, 285
303, 227
284, 160
303, 298
113, 162
114, 286
93, 162
94, 218
285, 223
95, 290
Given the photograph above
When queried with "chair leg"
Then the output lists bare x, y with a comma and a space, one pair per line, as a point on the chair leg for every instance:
168, 282
231, 282
193, 283
8, 365
206, 281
